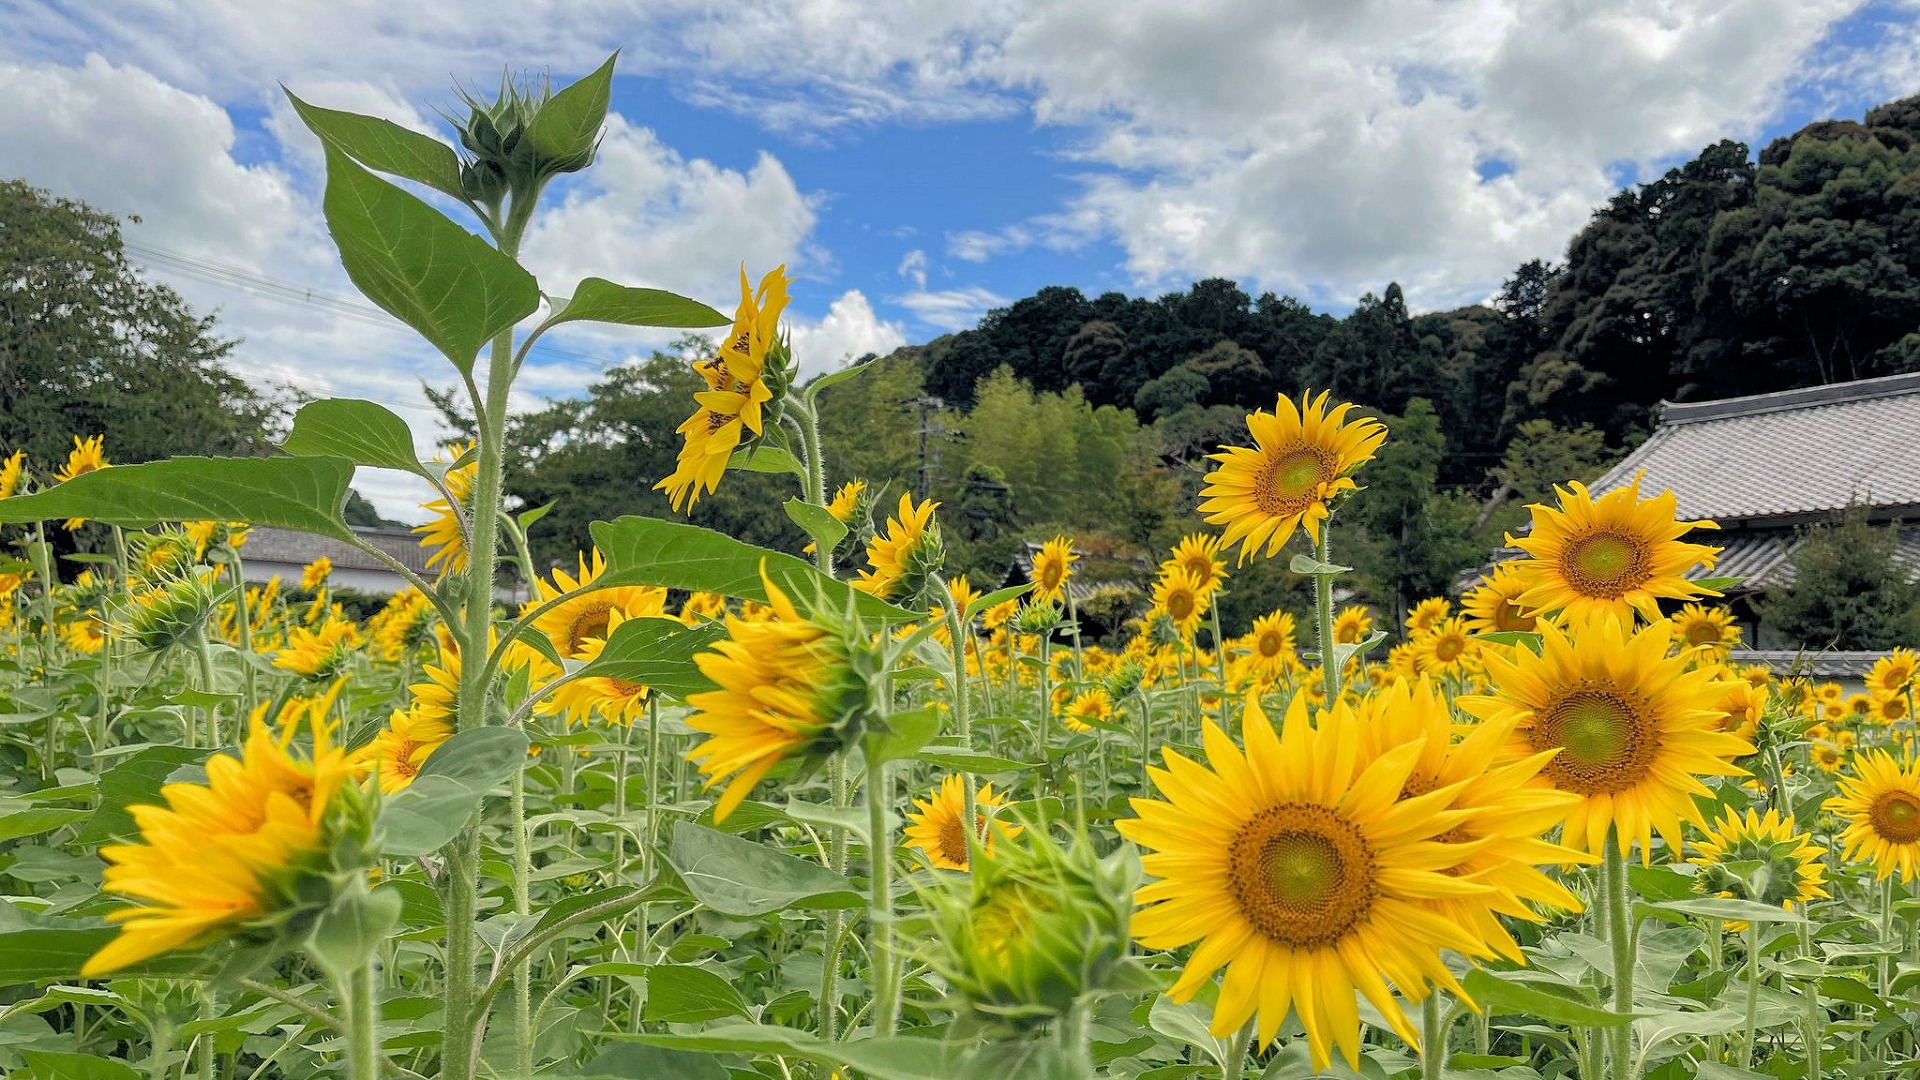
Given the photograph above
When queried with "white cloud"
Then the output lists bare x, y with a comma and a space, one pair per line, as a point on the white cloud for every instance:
914, 268
849, 331
950, 309
975, 245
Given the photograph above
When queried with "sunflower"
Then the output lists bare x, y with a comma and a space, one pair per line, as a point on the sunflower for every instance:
1178, 596
571, 622
84, 635
1426, 615
1306, 874
1351, 625
1890, 709
1446, 649
702, 607
1300, 460
1881, 802
1618, 553
1403, 661
1095, 704
1710, 628
898, 557
1893, 673
735, 395
1859, 707
1797, 873
1742, 706
1492, 607
319, 653
1051, 569
1199, 554
1826, 755
315, 574
783, 687
936, 828
1634, 727
87, 455
395, 755
1273, 644
446, 534
223, 854
207, 535
617, 701
12, 471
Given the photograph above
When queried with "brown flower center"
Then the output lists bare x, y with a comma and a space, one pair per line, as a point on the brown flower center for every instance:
1607, 741
953, 841
1507, 617
1301, 874
1606, 565
1895, 816
1271, 645
1290, 480
1448, 649
1703, 632
589, 622
1180, 605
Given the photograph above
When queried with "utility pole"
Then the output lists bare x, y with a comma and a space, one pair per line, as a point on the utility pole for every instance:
931, 433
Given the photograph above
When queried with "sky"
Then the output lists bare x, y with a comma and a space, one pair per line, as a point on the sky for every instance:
914, 163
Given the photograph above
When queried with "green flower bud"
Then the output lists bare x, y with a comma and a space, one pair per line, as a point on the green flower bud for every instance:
1124, 679
1036, 618
170, 612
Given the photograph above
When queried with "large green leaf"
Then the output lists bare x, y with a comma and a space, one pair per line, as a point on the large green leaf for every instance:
62, 1065
305, 493
600, 300
897, 1058
741, 878
569, 124
42, 954
682, 994
427, 813
384, 146
1495, 994
649, 551
657, 653
825, 530
22, 821
360, 431
421, 268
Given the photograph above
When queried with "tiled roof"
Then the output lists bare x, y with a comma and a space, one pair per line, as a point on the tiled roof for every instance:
1794, 454
1760, 558
269, 544
1833, 664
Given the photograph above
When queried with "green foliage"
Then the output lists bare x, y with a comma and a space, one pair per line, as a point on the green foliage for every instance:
1414, 540
1848, 591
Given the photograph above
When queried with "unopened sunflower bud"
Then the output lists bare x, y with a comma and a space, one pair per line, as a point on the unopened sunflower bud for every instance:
1124, 679
1036, 619
166, 614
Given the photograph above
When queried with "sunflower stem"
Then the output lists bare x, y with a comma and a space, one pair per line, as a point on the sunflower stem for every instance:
523, 907
363, 1022
1323, 613
1219, 658
962, 719
205, 655
1235, 1065
1753, 994
879, 795
1433, 1038
1620, 937
463, 866
836, 920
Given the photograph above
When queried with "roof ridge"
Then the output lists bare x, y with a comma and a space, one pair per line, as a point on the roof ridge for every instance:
1883, 386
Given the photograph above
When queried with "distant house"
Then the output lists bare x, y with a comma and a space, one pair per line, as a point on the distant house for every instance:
272, 552
1766, 465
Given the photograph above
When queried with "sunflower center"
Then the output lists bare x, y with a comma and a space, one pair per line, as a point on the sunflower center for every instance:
1507, 616
1050, 576
591, 622
1703, 633
1605, 564
1301, 875
623, 689
1448, 649
1291, 480
1893, 709
953, 841
1180, 605
1606, 741
1896, 817
1271, 644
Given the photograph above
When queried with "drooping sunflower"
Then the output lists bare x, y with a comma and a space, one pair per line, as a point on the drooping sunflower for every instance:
897, 558
1492, 606
1634, 727
87, 455
1447, 650
1199, 554
1426, 615
937, 830
1709, 628
1305, 873
735, 395
1894, 672
1051, 569
222, 854
1094, 704
1301, 458
319, 653
569, 624
1273, 644
1798, 875
783, 690
1179, 597
1881, 802
1618, 553
12, 472
446, 534
1351, 625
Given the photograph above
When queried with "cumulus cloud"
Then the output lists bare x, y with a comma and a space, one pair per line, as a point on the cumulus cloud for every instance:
849, 331
950, 309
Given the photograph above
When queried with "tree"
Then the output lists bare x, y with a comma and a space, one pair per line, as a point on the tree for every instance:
1177, 389
89, 347
1848, 590
1097, 358
1415, 539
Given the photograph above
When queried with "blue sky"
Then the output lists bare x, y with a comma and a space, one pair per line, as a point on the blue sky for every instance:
917, 162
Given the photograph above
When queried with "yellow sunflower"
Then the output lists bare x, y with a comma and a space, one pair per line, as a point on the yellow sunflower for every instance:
1403, 661
1859, 707
1051, 569
1199, 554
87, 455
1273, 644
319, 653
781, 685
1893, 673
1300, 460
1890, 709
1799, 876
315, 574
735, 395
225, 853
895, 557
395, 755
1826, 755
1710, 628
1447, 650
1426, 615
1094, 704
936, 828
1305, 873
844, 505
12, 471
1742, 706
1634, 727
1492, 607
207, 535
1618, 553
569, 624
616, 701
446, 534
1351, 625
1881, 802
84, 635
1178, 596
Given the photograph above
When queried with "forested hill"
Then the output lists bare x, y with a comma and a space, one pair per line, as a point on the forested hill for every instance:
1726, 276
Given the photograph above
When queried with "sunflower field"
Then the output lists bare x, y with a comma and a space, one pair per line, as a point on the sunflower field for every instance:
698, 810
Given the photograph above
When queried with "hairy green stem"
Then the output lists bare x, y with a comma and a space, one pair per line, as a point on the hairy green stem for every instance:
523, 907
836, 920
1235, 1065
363, 1023
885, 956
1753, 994
1323, 614
1620, 938
1433, 1038
1219, 658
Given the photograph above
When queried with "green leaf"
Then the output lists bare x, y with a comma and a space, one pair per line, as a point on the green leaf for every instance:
568, 124
1312, 567
1512, 637
1715, 907
767, 458
348, 932
822, 528
1718, 584
600, 300
898, 1058
133, 781
384, 146
657, 653
835, 378
1346, 650
360, 431
681, 994
34, 820
43, 954
421, 268
427, 813
741, 878
305, 493
961, 759
60, 1065
1498, 995
906, 733
648, 551
995, 598
626, 1062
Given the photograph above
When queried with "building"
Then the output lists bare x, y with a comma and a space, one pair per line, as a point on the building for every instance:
273, 552
1766, 466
